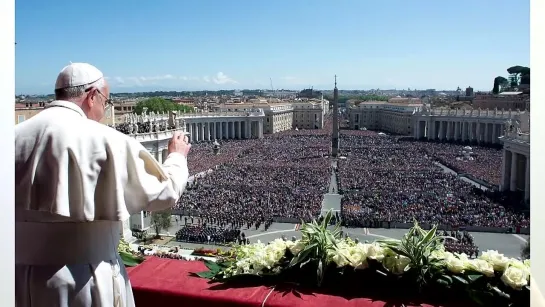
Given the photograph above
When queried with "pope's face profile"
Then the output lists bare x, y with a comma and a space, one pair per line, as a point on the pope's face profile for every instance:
97, 101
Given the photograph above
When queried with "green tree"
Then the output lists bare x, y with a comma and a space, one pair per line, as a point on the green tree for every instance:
160, 105
499, 84
161, 221
515, 74
372, 98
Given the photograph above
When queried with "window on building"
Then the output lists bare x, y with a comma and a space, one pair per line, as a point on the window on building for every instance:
20, 118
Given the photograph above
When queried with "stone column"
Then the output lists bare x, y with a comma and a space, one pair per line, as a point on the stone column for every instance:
486, 133
505, 170
247, 129
165, 154
527, 180
441, 130
191, 135
212, 130
203, 135
417, 130
431, 129
478, 132
494, 133
239, 130
463, 126
513, 176
260, 128
220, 136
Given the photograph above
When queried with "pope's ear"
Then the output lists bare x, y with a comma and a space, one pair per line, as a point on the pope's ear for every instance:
90, 97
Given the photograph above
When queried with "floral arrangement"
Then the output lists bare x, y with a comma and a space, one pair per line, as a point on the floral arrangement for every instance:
201, 251
129, 257
418, 263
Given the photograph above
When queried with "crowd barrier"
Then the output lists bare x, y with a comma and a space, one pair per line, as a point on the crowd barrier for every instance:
514, 230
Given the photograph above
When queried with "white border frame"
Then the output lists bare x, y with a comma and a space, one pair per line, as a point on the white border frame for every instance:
537, 150
7, 90
7, 186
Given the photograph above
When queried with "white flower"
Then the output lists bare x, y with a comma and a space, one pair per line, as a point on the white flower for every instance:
497, 260
455, 264
396, 264
297, 247
527, 263
339, 260
524, 266
438, 254
515, 277
481, 266
375, 252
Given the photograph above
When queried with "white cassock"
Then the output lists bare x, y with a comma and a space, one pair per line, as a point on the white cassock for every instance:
76, 180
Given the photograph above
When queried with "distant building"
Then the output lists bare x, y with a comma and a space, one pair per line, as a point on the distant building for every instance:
393, 117
469, 91
505, 100
24, 111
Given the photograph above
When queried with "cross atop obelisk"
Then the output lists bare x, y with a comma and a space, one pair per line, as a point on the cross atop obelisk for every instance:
335, 135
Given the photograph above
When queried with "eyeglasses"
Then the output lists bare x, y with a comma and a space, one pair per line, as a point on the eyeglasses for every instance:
107, 101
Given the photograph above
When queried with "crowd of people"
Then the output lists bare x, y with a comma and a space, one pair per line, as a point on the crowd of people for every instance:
275, 177
463, 242
384, 179
481, 163
207, 235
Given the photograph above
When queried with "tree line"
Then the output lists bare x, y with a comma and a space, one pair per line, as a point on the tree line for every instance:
161, 105
518, 75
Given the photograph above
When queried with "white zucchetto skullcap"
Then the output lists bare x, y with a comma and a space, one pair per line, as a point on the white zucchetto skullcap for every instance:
77, 74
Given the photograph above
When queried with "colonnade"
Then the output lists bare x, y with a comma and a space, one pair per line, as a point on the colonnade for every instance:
485, 132
223, 130
515, 171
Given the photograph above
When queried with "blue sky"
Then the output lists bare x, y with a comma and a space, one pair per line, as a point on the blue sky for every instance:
238, 44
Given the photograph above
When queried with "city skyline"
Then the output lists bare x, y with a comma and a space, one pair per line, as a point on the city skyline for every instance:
211, 45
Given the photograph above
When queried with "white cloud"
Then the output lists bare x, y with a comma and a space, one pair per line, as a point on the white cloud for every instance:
221, 78
169, 80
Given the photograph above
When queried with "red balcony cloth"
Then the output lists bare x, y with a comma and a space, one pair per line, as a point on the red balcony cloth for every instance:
166, 282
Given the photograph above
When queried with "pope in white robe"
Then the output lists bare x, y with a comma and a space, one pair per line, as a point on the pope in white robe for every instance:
76, 180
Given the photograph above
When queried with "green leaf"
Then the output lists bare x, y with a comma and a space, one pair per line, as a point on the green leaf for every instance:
460, 279
206, 274
130, 260
474, 277
212, 266
500, 293
447, 278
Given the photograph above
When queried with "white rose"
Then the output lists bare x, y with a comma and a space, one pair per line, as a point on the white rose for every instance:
297, 248
481, 266
527, 263
455, 265
515, 277
522, 266
438, 254
339, 260
375, 252
396, 264
497, 260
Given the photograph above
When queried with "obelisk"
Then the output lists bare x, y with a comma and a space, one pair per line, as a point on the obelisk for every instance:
335, 135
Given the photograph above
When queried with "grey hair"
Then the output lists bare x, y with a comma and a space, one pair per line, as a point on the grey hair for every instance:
68, 93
